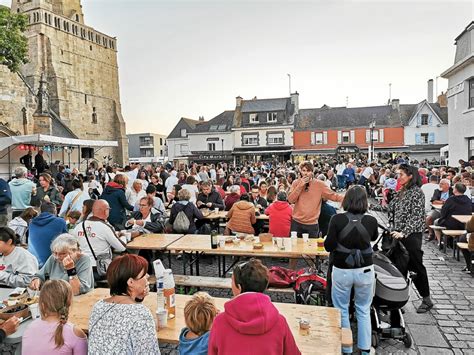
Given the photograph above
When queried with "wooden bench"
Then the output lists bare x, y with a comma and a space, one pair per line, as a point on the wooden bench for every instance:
215, 282
452, 233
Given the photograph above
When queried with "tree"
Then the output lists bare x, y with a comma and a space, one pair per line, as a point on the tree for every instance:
13, 42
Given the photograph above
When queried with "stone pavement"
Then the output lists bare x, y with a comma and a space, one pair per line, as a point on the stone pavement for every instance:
447, 329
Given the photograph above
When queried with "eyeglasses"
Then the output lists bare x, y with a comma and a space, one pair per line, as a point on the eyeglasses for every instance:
143, 205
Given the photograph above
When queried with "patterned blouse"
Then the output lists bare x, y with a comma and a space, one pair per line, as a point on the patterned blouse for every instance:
122, 329
408, 209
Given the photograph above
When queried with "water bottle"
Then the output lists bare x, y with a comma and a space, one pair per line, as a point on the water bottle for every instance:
160, 295
169, 293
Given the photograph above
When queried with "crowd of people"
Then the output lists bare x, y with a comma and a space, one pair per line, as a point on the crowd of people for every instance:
67, 230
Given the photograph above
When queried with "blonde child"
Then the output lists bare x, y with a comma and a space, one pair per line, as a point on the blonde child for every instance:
199, 313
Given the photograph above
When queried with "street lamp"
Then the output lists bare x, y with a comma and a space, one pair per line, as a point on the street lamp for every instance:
372, 127
222, 148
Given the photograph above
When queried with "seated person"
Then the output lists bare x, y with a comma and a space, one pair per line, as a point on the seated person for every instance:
280, 213
72, 219
145, 220
21, 223
259, 202
209, 198
467, 253
232, 197
52, 333
439, 197
17, 265
135, 193
241, 217
158, 205
199, 313
101, 236
189, 209
43, 230
250, 320
66, 263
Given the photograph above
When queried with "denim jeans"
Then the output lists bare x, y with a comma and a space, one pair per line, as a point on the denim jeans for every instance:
363, 282
341, 181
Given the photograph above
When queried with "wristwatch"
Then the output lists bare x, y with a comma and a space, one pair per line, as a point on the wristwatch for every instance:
72, 277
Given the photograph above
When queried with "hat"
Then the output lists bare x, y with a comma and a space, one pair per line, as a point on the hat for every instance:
67, 171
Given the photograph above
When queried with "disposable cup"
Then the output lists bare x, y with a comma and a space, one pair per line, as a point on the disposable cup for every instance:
34, 310
294, 234
216, 210
305, 237
279, 242
222, 242
287, 243
162, 317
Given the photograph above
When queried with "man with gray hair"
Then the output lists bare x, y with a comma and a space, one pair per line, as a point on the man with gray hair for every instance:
21, 190
439, 197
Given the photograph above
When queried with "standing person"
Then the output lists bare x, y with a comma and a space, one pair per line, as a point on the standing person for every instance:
349, 174
306, 194
169, 183
40, 163
52, 333
27, 160
122, 324
341, 179
408, 209
114, 194
21, 189
74, 200
348, 240
5, 200
47, 191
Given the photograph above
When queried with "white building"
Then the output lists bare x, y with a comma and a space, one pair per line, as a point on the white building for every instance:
461, 98
177, 141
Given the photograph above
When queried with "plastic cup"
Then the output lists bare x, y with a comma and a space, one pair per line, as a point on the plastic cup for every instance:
216, 210
34, 310
221, 242
279, 242
294, 234
162, 317
287, 243
305, 237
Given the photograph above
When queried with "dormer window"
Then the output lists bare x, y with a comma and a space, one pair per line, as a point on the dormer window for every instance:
424, 120
271, 117
183, 132
253, 118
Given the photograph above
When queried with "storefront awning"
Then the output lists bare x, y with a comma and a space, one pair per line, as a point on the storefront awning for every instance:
43, 139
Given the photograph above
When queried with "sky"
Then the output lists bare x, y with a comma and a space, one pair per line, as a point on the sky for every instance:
191, 58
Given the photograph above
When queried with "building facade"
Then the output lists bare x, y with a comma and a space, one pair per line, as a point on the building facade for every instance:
178, 140
79, 65
147, 147
461, 98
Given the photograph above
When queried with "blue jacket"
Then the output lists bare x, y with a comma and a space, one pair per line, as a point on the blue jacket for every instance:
197, 346
115, 196
42, 231
349, 173
5, 196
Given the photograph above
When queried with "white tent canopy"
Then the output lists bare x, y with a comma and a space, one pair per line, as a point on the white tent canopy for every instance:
43, 139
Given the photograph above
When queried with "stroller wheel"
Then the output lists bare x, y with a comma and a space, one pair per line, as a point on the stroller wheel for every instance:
376, 339
407, 340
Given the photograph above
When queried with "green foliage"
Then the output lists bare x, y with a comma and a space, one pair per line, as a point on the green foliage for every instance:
13, 42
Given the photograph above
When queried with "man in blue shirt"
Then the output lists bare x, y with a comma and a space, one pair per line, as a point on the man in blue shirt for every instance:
349, 174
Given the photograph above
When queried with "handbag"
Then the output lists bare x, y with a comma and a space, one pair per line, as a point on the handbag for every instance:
103, 261
280, 277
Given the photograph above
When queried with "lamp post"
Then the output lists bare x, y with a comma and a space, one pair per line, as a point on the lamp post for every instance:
372, 127
222, 148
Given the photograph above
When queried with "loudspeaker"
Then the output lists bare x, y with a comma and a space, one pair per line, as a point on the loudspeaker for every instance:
87, 153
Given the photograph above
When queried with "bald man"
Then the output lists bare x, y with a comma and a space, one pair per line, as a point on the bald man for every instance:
99, 234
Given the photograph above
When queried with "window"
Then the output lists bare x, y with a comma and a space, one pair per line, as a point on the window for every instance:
271, 117
346, 137
94, 116
424, 138
375, 135
250, 139
471, 93
253, 118
275, 138
77, 18
424, 120
471, 148
183, 132
211, 146
183, 149
161, 141
318, 138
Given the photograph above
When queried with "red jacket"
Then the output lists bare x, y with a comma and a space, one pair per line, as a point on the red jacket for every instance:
251, 324
280, 218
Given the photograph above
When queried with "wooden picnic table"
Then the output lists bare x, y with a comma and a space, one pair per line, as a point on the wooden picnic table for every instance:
463, 218
196, 244
223, 215
153, 241
324, 336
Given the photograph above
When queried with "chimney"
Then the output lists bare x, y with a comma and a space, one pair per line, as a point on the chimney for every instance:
238, 101
443, 100
396, 104
430, 91
295, 100
201, 118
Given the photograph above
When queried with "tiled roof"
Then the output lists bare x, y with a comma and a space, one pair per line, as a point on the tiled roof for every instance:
220, 123
264, 105
184, 122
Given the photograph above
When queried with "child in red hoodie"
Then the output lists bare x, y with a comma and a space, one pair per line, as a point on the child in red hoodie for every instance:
279, 213
251, 324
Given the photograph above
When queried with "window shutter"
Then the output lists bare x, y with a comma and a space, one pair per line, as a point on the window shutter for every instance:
339, 137
313, 138
431, 138
418, 138
353, 135
381, 135
325, 137
418, 120
430, 120
367, 135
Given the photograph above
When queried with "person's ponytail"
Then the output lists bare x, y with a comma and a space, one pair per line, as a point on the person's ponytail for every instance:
58, 334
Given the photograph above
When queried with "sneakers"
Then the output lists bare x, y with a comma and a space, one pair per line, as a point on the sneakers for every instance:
424, 307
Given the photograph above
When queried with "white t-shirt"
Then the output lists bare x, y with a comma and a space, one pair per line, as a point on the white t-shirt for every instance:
101, 237
340, 168
193, 189
367, 172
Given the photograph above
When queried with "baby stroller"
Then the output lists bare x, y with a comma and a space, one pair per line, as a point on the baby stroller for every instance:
392, 291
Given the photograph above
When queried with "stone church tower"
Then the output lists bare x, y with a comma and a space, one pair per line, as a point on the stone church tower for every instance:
79, 65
